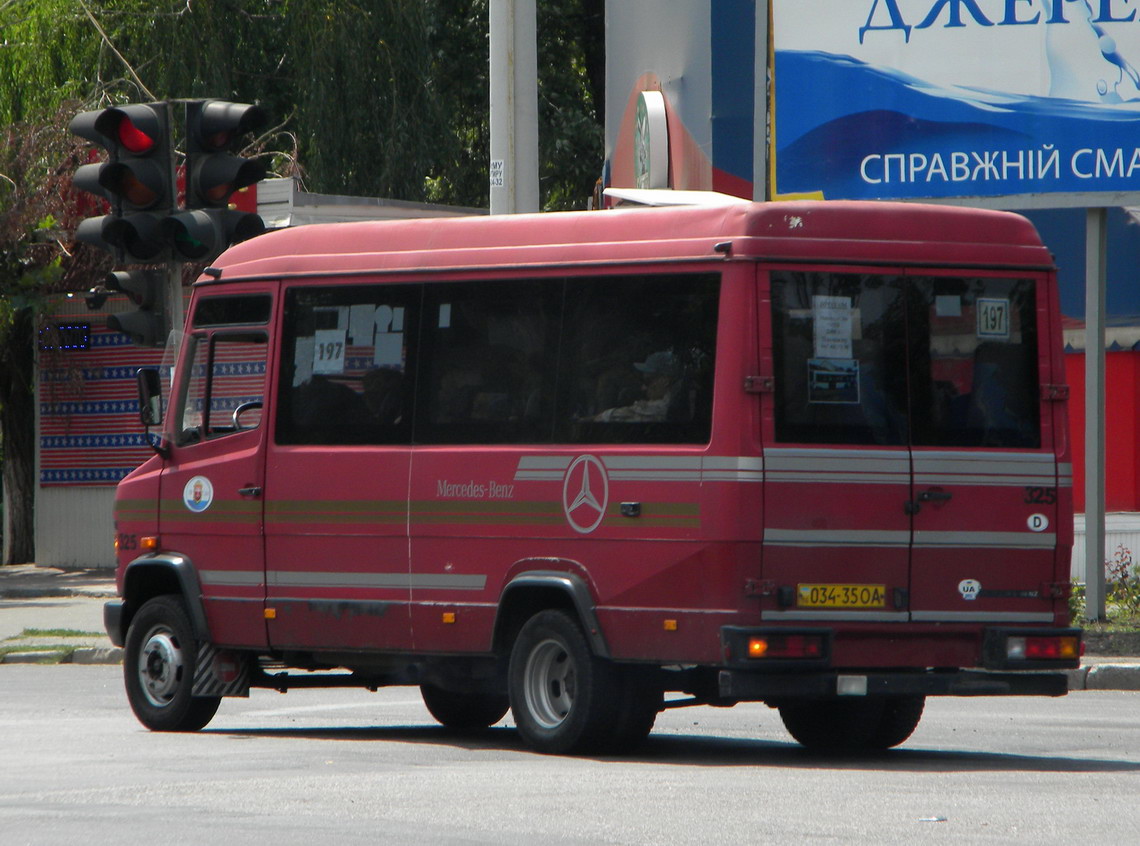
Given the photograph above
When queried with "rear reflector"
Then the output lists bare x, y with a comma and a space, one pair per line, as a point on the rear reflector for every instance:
785, 646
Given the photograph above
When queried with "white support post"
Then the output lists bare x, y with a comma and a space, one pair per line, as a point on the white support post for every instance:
514, 106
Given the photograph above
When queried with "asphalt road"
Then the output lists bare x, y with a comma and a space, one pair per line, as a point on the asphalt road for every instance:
345, 767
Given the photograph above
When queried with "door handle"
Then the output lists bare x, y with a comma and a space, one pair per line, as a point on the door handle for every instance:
253, 490
912, 507
934, 496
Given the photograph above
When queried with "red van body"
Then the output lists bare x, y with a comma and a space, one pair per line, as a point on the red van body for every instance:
813, 454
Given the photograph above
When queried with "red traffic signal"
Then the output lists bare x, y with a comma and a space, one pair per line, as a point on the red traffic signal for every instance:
138, 180
139, 129
214, 129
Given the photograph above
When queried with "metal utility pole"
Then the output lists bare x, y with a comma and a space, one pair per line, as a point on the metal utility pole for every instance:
514, 106
1096, 252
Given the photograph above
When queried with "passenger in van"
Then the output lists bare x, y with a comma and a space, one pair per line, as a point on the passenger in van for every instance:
663, 386
321, 403
384, 395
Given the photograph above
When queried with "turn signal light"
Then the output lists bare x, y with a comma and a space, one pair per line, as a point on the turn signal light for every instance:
785, 646
148, 543
1042, 647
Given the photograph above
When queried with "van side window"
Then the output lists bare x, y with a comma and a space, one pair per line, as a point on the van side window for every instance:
226, 387
637, 359
487, 374
839, 345
345, 369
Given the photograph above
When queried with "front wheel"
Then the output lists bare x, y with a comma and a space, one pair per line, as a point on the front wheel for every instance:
159, 659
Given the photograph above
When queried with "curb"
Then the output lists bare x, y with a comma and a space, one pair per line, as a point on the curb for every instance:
77, 655
1105, 677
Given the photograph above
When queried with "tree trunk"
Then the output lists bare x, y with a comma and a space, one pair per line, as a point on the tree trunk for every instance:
17, 437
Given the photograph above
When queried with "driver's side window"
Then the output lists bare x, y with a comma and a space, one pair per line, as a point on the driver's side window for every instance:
224, 387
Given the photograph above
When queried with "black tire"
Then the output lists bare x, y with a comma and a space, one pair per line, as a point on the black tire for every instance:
464, 710
848, 725
899, 720
159, 659
640, 698
564, 698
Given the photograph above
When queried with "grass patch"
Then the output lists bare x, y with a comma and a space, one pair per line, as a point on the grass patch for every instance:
57, 633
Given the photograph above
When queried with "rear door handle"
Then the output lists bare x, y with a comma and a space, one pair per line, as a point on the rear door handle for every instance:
934, 496
937, 495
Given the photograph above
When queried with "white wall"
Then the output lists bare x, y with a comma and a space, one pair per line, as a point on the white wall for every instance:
74, 527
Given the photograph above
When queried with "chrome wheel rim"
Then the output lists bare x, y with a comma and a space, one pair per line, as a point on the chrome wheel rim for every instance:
160, 667
551, 682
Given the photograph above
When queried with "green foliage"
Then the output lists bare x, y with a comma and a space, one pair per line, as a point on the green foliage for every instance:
381, 98
1122, 592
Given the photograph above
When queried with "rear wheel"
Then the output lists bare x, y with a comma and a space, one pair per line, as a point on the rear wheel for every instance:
853, 724
639, 700
464, 710
564, 698
159, 659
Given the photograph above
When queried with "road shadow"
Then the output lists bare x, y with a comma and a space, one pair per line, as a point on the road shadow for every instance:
701, 751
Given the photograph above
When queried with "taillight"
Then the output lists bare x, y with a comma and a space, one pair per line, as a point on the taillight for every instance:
785, 646
1042, 647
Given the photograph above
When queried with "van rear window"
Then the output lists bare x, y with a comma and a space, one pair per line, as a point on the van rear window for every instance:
905, 359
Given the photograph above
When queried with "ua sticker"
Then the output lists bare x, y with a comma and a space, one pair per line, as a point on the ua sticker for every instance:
969, 588
198, 494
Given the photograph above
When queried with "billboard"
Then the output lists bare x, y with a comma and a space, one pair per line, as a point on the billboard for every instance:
940, 99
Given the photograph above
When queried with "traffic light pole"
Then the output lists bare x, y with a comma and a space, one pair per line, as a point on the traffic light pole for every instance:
175, 310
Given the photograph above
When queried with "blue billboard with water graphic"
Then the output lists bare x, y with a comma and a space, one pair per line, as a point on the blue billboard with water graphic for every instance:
912, 99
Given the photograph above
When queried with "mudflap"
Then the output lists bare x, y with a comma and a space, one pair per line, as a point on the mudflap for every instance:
220, 672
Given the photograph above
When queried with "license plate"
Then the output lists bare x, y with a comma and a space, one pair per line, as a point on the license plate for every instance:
841, 596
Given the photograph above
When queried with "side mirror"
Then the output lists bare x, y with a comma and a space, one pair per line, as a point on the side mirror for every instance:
150, 396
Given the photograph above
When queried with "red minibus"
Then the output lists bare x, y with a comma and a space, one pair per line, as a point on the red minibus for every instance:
588, 466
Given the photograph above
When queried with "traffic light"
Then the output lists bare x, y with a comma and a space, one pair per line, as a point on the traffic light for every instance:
201, 234
145, 289
214, 129
138, 180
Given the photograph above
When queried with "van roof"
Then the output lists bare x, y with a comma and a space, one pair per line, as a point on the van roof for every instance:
837, 231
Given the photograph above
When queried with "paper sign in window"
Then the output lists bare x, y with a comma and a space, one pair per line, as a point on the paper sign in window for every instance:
328, 351
832, 331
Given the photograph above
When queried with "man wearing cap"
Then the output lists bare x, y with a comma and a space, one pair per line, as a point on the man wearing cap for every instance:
659, 372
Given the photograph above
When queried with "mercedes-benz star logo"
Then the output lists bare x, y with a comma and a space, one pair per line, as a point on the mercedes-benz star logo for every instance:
585, 493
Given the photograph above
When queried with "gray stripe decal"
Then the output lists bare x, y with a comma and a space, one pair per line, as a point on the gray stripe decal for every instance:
836, 537
415, 581
837, 461
923, 540
986, 540
231, 578
839, 477
819, 614
649, 468
401, 581
982, 616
